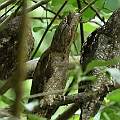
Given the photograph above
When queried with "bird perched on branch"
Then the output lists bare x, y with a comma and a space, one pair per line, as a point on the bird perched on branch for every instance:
9, 46
50, 73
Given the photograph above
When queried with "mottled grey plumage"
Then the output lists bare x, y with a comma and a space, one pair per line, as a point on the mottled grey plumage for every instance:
102, 44
9, 38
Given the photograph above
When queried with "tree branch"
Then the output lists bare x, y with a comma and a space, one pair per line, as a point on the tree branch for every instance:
48, 28
30, 68
6, 3
76, 98
36, 5
100, 45
101, 18
16, 12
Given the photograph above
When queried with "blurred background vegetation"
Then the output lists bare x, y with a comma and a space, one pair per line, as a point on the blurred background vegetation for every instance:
40, 19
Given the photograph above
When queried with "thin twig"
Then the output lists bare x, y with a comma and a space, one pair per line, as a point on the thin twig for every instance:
45, 8
6, 3
76, 98
41, 18
101, 18
81, 24
4, 23
105, 7
36, 5
48, 28
10, 17
51, 11
85, 8
10, 8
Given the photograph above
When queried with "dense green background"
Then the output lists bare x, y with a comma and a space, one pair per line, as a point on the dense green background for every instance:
111, 105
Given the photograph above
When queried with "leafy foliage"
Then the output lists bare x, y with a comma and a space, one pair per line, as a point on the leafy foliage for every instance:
111, 106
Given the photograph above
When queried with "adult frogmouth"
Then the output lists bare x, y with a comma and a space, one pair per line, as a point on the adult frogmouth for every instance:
50, 73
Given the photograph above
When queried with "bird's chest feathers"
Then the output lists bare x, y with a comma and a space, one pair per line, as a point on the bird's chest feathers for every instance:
56, 67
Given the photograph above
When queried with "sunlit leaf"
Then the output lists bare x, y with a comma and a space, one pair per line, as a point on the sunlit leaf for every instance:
55, 21
99, 63
34, 117
115, 73
114, 96
106, 116
36, 29
7, 100
92, 78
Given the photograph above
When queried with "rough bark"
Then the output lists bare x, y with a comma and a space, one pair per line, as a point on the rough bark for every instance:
102, 44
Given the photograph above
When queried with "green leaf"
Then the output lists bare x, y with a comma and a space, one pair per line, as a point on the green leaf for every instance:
1, 82
114, 96
74, 117
108, 75
92, 78
115, 73
60, 2
99, 3
52, 28
57, 2
36, 29
110, 113
34, 117
1, 1
99, 63
7, 100
109, 4
106, 116
88, 14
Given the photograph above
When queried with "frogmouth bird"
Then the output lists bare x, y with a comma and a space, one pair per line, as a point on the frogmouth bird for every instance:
50, 73
9, 46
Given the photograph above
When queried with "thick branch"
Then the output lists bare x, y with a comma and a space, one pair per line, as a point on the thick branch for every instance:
80, 97
30, 68
84, 96
102, 44
31, 8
